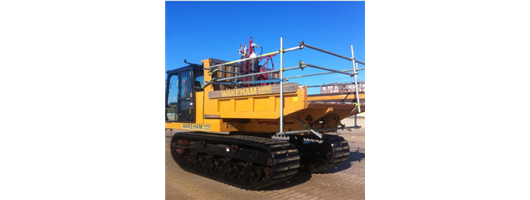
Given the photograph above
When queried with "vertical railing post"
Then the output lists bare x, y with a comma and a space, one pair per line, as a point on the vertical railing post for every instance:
355, 75
281, 84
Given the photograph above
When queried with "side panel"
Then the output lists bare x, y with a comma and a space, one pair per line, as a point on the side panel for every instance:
255, 107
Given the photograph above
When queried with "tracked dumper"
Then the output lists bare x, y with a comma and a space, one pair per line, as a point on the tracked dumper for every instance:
247, 128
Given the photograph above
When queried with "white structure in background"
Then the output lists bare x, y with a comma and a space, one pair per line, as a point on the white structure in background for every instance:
341, 87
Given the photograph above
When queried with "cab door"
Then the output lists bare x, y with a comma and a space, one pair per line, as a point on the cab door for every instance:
172, 97
179, 96
185, 110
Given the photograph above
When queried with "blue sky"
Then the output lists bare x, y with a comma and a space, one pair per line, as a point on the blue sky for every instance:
199, 30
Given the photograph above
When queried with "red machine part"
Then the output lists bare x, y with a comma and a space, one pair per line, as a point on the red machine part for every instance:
250, 41
265, 67
245, 65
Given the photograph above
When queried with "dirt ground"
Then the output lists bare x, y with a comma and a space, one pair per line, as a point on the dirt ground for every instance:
345, 181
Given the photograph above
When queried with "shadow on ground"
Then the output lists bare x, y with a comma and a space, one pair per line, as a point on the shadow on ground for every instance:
301, 177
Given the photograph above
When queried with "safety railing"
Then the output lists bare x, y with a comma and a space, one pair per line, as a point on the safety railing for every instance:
301, 65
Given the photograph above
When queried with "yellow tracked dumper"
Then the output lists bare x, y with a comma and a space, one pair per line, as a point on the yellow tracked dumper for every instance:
240, 123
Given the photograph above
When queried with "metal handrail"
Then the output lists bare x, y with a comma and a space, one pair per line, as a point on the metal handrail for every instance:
301, 65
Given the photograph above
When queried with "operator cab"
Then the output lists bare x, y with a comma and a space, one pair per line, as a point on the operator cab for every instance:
181, 84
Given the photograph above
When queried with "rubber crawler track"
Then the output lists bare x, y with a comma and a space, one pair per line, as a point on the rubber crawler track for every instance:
337, 149
285, 159
321, 154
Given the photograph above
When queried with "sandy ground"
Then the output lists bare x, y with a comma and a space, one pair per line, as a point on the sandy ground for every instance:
345, 181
